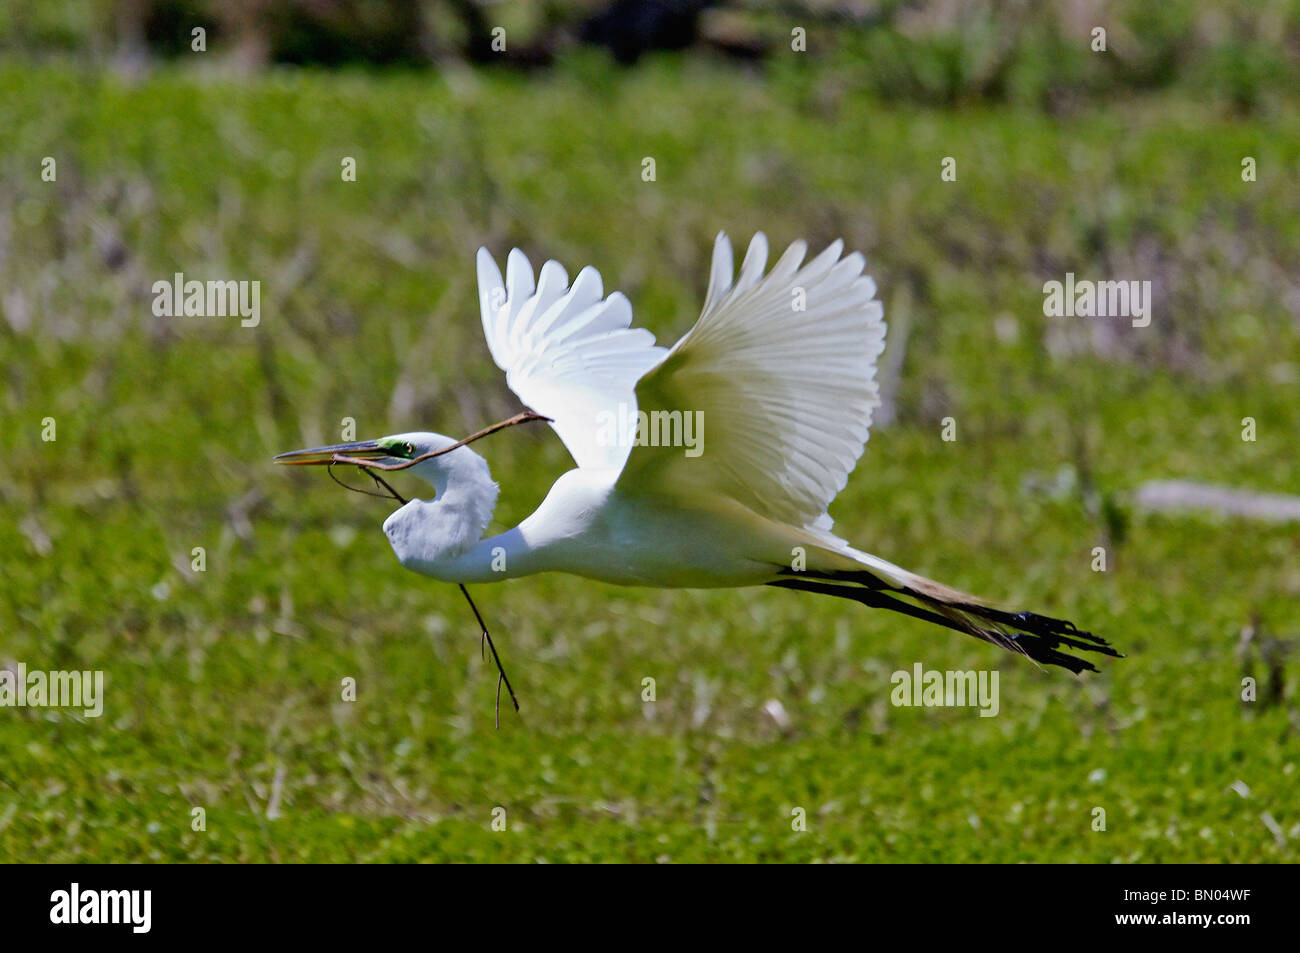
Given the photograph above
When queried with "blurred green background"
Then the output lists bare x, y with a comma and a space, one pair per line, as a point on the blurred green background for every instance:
223, 686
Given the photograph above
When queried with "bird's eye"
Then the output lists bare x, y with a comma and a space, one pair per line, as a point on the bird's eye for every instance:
408, 449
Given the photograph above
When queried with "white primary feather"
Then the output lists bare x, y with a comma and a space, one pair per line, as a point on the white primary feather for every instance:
782, 369
568, 352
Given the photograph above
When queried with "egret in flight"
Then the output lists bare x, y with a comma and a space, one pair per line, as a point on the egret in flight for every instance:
708, 464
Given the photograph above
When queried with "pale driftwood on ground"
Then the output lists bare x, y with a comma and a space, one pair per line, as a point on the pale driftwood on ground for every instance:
1169, 495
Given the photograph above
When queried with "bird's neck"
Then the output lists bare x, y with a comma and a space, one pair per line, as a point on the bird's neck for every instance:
443, 537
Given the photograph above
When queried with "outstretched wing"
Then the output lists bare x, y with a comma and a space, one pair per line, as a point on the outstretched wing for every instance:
568, 352
781, 373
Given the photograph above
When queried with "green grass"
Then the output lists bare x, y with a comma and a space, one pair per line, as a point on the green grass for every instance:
219, 682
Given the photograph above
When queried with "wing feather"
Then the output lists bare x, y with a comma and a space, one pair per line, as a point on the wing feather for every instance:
785, 393
569, 353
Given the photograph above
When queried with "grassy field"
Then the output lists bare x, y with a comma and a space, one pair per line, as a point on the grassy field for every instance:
223, 686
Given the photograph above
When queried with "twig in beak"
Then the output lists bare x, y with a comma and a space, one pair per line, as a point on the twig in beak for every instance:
380, 481
520, 418
356, 489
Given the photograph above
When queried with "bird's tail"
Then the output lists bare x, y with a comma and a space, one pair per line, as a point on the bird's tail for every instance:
1038, 637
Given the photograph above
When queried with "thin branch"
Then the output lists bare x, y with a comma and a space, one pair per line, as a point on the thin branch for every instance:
356, 489
501, 672
384, 483
520, 418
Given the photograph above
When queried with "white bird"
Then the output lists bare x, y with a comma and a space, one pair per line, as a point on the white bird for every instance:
759, 414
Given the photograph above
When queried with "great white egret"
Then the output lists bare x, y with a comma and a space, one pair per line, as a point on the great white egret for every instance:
709, 464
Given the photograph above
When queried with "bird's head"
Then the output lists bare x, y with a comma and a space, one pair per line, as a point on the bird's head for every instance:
423, 454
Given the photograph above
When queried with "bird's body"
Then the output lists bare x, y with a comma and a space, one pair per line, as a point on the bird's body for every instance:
590, 527
712, 464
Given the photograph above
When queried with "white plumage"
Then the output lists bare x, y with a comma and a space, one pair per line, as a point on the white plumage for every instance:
777, 378
782, 368
568, 352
